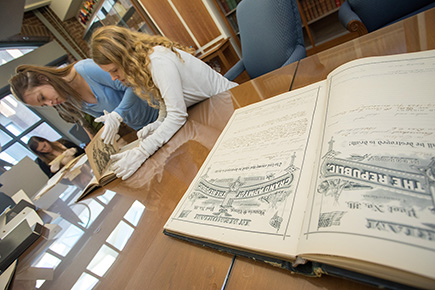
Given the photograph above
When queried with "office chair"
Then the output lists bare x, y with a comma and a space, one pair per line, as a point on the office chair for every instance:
78, 132
365, 16
270, 34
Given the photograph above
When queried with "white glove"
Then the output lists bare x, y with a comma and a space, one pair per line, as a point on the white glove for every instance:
55, 166
111, 125
70, 151
148, 130
126, 163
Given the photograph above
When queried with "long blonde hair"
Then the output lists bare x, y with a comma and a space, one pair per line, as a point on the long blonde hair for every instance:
130, 51
30, 76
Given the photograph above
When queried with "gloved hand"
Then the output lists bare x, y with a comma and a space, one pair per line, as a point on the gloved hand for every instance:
148, 130
55, 166
126, 163
70, 151
111, 121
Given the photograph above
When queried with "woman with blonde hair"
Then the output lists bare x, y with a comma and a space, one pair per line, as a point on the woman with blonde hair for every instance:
159, 71
82, 88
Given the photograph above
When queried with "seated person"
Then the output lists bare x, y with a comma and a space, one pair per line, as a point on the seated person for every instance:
53, 155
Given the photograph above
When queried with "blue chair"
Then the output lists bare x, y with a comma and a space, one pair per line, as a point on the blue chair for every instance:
270, 34
365, 16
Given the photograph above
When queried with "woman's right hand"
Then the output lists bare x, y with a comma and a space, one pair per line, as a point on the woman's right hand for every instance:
112, 121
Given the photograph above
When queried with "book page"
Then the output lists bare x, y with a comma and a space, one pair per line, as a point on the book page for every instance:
374, 195
107, 175
252, 189
99, 154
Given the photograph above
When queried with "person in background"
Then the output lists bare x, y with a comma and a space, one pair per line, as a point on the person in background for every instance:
160, 71
79, 88
52, 156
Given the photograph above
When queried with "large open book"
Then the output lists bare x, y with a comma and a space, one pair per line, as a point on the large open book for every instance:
337, 175
98, 155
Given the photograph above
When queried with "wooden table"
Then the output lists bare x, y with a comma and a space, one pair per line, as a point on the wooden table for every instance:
124, 221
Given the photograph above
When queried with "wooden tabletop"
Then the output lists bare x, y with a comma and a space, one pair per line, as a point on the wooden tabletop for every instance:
113, 239
410, 35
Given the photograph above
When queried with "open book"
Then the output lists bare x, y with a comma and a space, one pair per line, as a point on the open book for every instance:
57, 177
99, 159
336, 175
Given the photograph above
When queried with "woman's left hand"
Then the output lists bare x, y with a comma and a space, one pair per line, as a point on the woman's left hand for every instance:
148, 130
70, 151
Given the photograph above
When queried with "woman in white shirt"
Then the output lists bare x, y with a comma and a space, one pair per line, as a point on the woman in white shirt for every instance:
160, 71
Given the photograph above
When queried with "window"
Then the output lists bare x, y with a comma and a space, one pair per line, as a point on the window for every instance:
17, 124
9, 53
17, 121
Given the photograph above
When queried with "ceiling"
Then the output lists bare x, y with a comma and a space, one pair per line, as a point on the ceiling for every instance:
11, 15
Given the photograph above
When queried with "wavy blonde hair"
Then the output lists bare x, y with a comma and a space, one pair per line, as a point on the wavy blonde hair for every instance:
130, 51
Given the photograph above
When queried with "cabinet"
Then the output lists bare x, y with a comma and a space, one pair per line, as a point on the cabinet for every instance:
193, 23
94, 14
221, 57
190, 22
321, 26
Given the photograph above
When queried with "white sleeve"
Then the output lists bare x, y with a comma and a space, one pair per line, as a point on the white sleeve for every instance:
167, 78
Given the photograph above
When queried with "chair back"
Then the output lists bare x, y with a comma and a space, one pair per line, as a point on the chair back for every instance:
270, 34
80, 134
378, 13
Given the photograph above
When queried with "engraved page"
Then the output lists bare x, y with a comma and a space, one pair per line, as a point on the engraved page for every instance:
374, 198
252, 189
99, 155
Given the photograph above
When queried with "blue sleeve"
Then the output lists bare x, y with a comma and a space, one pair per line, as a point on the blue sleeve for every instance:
129, 99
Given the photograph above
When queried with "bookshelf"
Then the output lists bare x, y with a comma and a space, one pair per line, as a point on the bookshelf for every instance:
97, 13
227, 9
321, 26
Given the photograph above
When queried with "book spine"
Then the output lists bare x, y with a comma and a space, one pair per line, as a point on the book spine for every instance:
318, 8
329, 6
323, 5
233, 4
305, 9
313, 9
224, 6
229, 4
310, 13
233, 22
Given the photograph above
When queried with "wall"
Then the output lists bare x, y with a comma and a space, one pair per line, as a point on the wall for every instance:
68, 33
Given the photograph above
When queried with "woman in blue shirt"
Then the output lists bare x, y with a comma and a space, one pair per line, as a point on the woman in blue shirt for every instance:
82, 87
